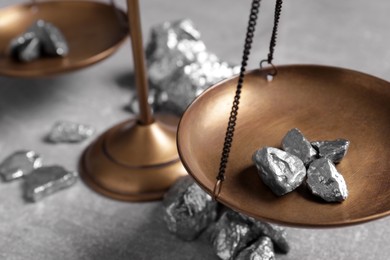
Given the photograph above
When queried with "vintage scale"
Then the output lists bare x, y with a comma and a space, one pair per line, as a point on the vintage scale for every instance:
137, 160
325, 103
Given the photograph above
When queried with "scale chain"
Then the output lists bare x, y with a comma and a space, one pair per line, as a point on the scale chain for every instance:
234, 111
272, 44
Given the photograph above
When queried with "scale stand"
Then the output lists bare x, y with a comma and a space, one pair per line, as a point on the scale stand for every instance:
136, 160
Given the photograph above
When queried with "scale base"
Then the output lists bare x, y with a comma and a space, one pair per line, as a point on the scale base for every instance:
133, 162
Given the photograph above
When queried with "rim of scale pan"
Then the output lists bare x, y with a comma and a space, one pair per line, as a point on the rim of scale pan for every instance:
325, 103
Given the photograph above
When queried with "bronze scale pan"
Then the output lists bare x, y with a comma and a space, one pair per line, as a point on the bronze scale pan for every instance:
325, 103
93, 31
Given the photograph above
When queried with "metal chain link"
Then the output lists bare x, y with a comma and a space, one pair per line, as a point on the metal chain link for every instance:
272, 44
234, 111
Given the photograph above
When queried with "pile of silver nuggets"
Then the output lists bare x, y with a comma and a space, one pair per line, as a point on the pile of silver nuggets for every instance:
39, 40
190, 212
180, 67
284, 171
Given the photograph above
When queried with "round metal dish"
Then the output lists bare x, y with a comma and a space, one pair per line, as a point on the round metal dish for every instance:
325, 103
93, 31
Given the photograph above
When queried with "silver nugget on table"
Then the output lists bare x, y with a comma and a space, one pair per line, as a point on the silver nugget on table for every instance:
325, 181
277, 234
295, 143
180, 67
231, 234
19, 164
333, 150
69, 132
262, 249
280, 171
47, 180
188, 210
235, 233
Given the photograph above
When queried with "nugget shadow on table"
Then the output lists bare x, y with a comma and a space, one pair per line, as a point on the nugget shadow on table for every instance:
28, 94
125, 80
152, 240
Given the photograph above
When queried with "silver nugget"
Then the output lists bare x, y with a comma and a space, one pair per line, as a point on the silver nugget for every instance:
41, 39
19, 164
325, 181
180, 66
277, 234
230, 234
52, 40
70, 132
280, 171
26, 47
296, 144
188, 210
262, 249
333, 150
47, 180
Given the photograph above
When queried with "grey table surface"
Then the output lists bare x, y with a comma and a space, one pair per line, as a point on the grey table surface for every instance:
80, 224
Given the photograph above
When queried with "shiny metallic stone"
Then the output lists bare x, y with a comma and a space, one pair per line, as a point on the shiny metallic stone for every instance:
19, 164
70, 132
262, 249
133, 106
52, 40
296, 144
234, 232
188, 210
180, 67
26, 47
30, 51
47, 180
325, 181
231, 234
280, 171
332, 150
277, 234
42, 38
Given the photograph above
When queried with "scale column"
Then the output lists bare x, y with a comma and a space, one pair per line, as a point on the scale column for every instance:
136, 160
141, 78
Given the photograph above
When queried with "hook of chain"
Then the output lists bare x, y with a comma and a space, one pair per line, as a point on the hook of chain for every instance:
217, 189
271, 74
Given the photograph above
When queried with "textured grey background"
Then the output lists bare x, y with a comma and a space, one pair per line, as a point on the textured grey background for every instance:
80, 224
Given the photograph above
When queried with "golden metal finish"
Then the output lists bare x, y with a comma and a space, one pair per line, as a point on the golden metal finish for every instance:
136, 160
93, 30
217, 189
133, 162
325, 103
141, 79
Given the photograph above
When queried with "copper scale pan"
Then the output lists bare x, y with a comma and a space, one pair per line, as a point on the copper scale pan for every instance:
325, 103
93, 31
